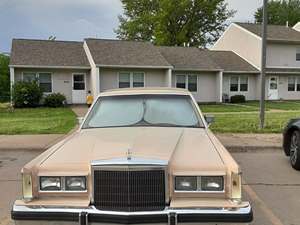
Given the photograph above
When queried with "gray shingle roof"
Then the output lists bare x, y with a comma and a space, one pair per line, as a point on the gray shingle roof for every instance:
188, 58
48, 53
231, 62
275, 33
125, 53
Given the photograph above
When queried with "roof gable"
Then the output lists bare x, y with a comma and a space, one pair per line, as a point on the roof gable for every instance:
125, 53
276, 33
46, 53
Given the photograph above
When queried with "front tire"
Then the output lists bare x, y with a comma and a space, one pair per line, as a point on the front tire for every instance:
295, 150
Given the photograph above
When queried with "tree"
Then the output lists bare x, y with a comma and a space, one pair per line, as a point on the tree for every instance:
173, 22
280, 12
4, 78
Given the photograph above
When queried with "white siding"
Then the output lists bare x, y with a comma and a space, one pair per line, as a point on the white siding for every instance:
282, 55
109, 77
61, 79
251, 94
207, 85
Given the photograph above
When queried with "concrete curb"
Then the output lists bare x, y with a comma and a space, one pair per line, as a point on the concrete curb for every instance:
240, 149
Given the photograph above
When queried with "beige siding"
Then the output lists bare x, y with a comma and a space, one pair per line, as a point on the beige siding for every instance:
109, 78
242, 42
61, 79
251, 94
282, 55
207, 85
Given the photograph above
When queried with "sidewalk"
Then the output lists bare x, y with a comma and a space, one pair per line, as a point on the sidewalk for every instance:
233, 142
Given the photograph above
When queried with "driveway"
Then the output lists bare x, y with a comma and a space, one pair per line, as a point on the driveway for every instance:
270, 184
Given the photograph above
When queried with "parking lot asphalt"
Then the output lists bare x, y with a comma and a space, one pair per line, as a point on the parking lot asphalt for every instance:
270, 184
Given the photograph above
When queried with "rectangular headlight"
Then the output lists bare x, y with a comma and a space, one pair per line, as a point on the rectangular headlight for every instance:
186, 183
75, 183
27, 186
199, 183
212, 183
50, 183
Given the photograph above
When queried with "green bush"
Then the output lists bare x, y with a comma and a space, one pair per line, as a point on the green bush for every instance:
237, 99
26, 94
54, 100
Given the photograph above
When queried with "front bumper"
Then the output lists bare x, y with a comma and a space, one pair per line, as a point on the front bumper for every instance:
84, 216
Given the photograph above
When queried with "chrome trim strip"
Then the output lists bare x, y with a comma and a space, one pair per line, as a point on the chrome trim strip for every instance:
167, 211
133, 161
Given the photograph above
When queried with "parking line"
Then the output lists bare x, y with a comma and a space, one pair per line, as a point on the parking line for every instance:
267, 211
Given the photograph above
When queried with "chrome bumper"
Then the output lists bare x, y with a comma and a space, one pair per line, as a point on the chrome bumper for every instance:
84, 216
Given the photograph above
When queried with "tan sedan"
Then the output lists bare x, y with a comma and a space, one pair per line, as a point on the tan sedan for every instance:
140, 156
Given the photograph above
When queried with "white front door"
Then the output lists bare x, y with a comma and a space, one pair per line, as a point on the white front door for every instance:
273, 88
79, 88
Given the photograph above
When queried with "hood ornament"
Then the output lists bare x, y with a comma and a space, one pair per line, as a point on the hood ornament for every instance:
129, 154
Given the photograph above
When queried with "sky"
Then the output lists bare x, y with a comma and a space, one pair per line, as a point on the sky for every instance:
76, 19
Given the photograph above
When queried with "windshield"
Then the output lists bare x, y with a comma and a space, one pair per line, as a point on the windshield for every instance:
143, 110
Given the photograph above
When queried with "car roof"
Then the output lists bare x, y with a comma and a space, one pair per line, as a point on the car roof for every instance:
141, 91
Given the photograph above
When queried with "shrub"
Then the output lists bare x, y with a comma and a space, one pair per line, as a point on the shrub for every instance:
237, 99
54, 100
26, 94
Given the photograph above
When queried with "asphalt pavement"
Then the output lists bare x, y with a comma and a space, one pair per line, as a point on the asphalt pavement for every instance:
270, 184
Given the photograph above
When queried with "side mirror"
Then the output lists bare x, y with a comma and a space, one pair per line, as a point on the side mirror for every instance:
209, 119
80, 120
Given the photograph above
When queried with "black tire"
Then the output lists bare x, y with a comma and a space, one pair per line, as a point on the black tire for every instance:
295, 150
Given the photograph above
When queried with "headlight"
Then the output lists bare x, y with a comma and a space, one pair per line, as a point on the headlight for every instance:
27, 187
200, 183
75, 183
212, 183
50, 183
186, 183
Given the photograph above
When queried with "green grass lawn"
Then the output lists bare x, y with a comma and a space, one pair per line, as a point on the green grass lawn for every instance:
249, 122
219, 108
279, 105
36, 120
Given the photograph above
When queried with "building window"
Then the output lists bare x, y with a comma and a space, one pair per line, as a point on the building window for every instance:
44, 80
294, 84
78, 82
298, 55
234, 84
239, 84
138, 80
29, 77
180, 81
243, 83
192, 83
187, 82
131, 79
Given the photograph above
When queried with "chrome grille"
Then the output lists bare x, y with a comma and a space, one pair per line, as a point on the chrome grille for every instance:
129, 190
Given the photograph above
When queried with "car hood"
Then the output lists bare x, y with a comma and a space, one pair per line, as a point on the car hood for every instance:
185, 149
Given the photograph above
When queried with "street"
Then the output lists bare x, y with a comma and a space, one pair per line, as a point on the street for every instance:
270, 184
